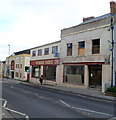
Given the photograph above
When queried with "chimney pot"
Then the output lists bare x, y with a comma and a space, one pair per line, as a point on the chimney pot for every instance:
88, 18
113, 7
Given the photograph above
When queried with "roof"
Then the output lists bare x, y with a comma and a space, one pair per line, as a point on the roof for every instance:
98, 18
92, 20
45, 44
27, 51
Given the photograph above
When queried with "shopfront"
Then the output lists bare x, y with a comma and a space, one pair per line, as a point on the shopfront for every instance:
47, 68
74, 74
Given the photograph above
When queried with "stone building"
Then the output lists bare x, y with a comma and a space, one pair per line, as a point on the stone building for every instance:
85, 53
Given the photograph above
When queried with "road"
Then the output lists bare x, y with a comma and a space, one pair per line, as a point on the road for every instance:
41, 102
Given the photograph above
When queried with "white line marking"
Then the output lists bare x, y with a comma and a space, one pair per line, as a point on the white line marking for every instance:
14, 111
65, 103
91, 111
5, 102
87, 110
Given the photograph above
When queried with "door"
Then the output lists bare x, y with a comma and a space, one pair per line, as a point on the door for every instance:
95, 76
12, 74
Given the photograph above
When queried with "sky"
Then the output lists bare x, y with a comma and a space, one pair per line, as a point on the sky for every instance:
26, 24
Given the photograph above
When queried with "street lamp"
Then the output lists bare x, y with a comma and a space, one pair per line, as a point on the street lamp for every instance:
8, 68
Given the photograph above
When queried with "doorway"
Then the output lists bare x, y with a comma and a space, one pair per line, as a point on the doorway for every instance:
95, 76
12, 74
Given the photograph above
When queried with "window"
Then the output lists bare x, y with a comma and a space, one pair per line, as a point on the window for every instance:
20, 75
54, 49
17, 74
46, 51
50, 73
40, 52
69, 49
36, 71
74, 74
34, 53
96, 46
20, 65
81, 48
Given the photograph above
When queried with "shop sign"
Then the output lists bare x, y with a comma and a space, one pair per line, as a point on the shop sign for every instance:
45, 62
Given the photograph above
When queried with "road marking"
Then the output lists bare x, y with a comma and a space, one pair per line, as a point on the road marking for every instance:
87, 110
65, 103
5, 102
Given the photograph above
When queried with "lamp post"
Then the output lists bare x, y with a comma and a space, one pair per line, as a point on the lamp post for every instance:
8, 69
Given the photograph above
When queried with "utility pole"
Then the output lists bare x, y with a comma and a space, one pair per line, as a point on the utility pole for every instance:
112, 65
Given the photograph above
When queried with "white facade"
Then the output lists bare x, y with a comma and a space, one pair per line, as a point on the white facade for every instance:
41, 60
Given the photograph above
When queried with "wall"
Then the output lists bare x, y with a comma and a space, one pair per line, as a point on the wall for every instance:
87, 36
50, 56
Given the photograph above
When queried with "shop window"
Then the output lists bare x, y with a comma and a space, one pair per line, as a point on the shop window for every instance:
40, 52
54, 49
36, 71
50, 72
46, 51
74, 74
34, 53
81, 48
96, 46
69, 49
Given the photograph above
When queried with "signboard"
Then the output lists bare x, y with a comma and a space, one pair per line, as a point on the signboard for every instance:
45, 62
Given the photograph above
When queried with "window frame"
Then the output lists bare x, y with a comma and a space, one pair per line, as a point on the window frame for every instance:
69, 49
96, 46
33, 53
54, 49
81, 48
39, 52
46, 51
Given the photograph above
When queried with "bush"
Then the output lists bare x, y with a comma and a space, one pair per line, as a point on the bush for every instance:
112, 89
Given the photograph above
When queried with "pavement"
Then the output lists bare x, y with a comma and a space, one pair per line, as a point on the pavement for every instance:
88, 92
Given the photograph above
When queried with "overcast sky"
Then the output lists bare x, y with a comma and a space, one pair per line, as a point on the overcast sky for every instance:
29, 23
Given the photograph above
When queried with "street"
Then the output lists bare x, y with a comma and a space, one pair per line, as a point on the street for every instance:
41, 102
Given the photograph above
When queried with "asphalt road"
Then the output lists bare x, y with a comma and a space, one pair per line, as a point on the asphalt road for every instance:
41, 102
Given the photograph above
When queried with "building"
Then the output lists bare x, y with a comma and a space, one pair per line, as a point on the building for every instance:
17, 65
85, 53
45, 61
2, 68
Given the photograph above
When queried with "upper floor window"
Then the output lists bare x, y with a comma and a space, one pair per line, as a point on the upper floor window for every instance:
39, 52
69, 49
54, 49
34, 53
81, 48
96, 46
46, 51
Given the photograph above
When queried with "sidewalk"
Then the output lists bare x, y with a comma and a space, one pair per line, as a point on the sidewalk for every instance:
82, 91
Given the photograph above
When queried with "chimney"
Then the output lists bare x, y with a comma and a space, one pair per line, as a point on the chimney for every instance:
113, 7
88, 18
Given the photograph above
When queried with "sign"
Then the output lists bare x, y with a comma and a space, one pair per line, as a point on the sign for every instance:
45, 62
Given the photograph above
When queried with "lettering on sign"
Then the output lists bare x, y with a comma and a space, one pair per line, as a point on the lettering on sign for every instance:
45, 62
49, 62
39, 62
